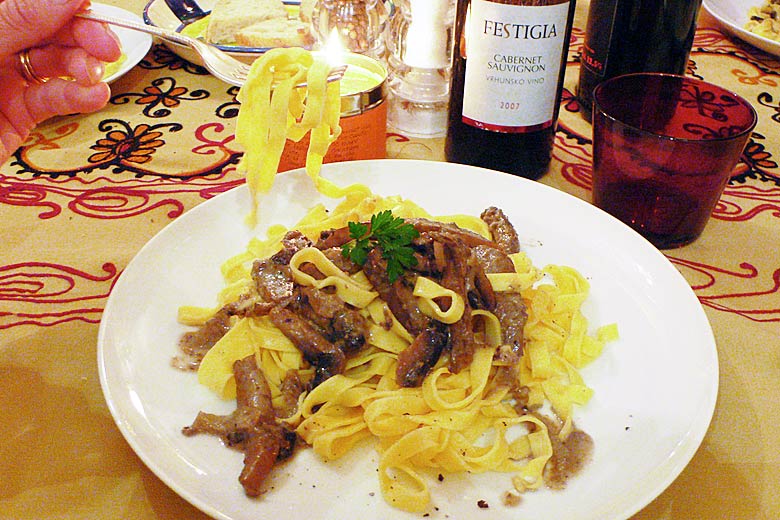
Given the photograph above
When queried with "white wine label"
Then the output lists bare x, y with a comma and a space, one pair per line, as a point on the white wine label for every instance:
513, 60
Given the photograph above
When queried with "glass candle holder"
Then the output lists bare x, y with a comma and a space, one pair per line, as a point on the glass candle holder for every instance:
419, 47
360, 24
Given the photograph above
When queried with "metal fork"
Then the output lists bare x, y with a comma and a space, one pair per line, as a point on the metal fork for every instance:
218, 62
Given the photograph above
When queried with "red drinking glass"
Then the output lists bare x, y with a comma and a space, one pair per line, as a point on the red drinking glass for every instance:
664, 147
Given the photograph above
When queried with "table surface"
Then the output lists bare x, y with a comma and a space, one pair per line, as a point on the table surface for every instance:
85, 193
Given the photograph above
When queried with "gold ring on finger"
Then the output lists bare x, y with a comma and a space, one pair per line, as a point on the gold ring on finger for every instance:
27, 70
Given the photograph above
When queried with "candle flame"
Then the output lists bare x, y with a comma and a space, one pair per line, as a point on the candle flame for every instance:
334, 49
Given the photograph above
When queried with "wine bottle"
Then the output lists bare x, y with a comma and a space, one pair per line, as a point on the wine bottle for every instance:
508, 62
624, 36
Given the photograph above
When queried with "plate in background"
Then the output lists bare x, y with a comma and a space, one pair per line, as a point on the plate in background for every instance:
655, 387
733, 15
158, 13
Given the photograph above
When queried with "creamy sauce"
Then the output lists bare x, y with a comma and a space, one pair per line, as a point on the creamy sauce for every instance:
569, 456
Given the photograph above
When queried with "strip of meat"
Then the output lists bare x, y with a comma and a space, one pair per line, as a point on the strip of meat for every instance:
416, 360
510, 309
478, 287
465, 236
194, 345
493, 260
292, 242
265, 438
251, 427
232, 429
273, 281
253, 406
398, 295
319, 305
291, 389
262, 449
333, 238
249, 305
478, 290
328, 359
340, 323
349, 330
252, 389
502, 231
335, 255
512, 315
462, 341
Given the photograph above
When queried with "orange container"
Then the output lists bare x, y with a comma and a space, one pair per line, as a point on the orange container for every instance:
363, 117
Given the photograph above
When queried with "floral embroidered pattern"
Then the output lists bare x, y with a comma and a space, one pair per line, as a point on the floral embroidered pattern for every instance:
759, 162
162, 93
126, 144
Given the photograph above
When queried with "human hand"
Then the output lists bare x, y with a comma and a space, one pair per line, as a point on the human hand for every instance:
58, 45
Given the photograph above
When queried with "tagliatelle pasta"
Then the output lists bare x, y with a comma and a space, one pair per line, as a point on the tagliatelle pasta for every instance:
273, 110
464, 422
427, 291
355, 290
764, 20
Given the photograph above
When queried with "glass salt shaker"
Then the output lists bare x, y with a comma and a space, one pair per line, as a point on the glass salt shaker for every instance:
359, 23
419, 47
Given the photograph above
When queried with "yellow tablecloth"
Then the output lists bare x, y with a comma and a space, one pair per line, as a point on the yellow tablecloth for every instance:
86, 192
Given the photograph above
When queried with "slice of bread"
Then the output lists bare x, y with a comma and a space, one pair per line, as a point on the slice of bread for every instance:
230, 16
276, 33
306, 10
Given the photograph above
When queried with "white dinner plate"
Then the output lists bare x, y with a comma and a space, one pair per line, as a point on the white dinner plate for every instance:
135, 44
733, 15
655, 387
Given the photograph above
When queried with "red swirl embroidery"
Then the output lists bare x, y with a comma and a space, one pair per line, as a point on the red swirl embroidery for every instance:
45, 294
111, 203
575, 156
19, 194
707, 280
740, 203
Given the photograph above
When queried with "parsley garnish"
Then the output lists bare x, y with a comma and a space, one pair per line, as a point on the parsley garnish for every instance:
391, 234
